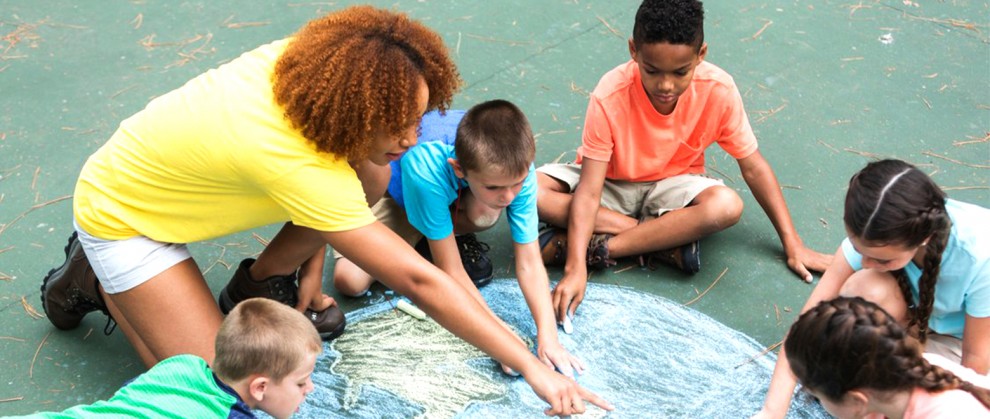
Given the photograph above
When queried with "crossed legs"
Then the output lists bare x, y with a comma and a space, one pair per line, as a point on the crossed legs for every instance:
714, 209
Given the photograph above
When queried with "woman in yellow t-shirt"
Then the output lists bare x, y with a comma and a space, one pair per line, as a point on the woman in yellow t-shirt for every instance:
285, 133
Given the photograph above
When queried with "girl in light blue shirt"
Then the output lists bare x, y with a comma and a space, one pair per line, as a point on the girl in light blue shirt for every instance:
923, 258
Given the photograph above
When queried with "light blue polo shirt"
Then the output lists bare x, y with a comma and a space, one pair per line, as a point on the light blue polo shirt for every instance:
963, 285
424, 183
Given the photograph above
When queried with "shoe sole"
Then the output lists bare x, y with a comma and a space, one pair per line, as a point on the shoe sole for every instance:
326, 337
337, 331
48, 277
691, 264
483, 281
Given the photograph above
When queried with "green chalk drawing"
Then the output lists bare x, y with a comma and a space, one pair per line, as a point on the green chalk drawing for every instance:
416, 360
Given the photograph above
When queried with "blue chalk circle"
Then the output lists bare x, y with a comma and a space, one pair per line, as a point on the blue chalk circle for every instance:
648, 356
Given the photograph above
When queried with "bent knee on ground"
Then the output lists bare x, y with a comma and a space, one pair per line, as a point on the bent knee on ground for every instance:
878, 287
721, 208
351, 280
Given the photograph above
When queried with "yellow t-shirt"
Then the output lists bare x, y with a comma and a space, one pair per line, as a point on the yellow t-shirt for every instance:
214, 157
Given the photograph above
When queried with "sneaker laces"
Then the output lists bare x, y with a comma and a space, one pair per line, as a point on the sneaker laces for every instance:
83, 304
471, 248
284, 289
597, 255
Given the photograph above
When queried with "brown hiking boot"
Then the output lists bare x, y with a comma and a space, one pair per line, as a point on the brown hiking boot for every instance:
71, 291
329, 323
241, 287
687, 258
553, 248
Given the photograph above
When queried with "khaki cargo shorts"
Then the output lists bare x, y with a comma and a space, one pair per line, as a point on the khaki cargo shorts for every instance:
637, 199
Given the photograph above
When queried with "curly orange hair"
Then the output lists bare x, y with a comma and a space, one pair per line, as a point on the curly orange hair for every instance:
352, 74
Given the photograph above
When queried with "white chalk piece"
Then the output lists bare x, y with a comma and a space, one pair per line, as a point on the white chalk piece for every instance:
568, 326
410, 310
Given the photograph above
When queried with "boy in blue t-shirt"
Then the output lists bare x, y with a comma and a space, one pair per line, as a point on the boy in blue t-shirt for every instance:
467, 168
265, 354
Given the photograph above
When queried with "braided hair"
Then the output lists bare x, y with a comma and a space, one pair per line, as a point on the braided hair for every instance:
891, 202
850, 343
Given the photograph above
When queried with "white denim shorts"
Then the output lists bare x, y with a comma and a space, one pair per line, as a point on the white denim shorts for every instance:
124, 264
638, 199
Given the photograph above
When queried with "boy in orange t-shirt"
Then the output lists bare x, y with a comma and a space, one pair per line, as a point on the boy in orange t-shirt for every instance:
638, 186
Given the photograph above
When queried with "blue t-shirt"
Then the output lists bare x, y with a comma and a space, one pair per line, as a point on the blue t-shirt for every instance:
182, 386
963, 285
424, 183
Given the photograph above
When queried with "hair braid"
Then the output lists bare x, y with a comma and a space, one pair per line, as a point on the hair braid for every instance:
929, 276
934, 378
892, 202
849, 343
904, 284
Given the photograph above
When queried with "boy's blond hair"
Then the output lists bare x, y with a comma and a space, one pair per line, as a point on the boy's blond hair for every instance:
263, 336
495, 135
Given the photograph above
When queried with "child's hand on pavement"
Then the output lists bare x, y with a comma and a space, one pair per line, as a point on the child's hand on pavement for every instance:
563, 394
555, 356
802, 260
567, 295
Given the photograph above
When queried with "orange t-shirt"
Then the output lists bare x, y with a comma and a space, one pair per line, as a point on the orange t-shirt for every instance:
642, 145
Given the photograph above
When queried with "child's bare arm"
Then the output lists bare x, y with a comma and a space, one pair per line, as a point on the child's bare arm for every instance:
569, 292
782, 382
534, 283
976, 344
311, 283
763, 182
448, 259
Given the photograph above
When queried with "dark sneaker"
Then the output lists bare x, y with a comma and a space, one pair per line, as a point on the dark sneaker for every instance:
598, 252
687, 258
71, 291
241, 287
553, 249
329, 323
474, 256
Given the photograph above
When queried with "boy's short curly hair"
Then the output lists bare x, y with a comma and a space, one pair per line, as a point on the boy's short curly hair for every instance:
346, 77
495, 135
677, 22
